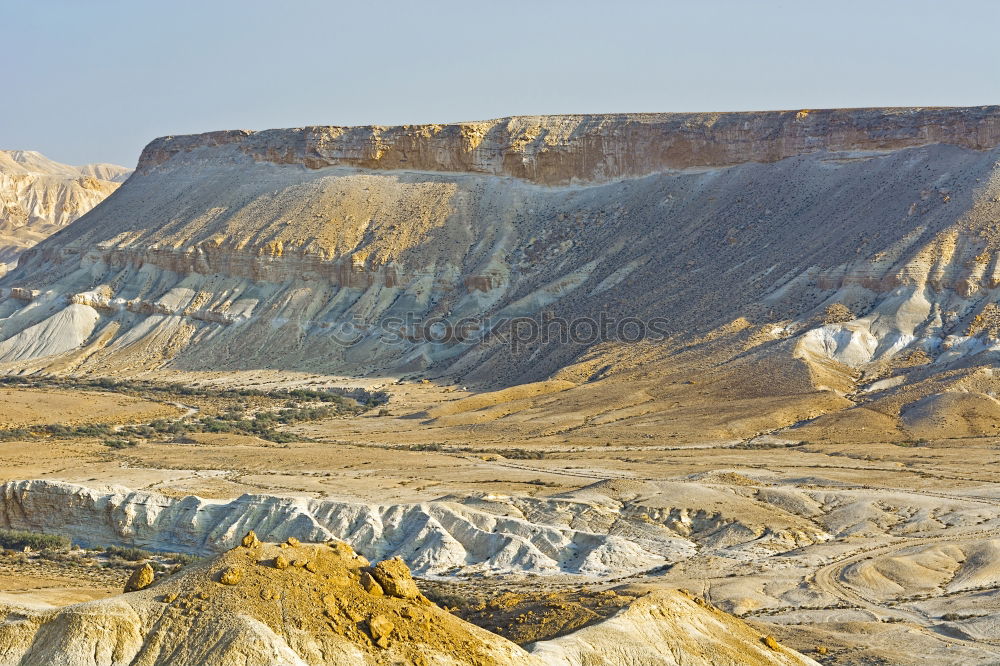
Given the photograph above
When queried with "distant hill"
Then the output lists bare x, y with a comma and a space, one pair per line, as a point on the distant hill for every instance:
38, 196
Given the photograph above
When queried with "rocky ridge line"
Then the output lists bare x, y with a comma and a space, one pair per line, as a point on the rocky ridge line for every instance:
562, 149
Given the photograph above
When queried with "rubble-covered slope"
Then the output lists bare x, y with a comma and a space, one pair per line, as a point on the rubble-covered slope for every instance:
304, 603
259, 604
666, 628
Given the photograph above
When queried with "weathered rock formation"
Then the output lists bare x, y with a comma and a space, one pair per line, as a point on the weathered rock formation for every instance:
666, 628
432, 537
556, 150
843, 248
240, 608
607, 528
39, 196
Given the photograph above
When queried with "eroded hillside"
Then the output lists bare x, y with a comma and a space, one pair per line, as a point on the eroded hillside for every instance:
300, 603
39, 196
841, 255
791, 409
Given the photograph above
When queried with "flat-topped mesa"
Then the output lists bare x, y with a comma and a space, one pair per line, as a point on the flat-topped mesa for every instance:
555, 150
241, 241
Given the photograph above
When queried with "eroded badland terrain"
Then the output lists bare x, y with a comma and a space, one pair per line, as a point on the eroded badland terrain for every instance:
38, 196
380, 343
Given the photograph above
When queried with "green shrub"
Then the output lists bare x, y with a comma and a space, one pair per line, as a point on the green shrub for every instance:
522, 454
181, 558
130, 554
120, 443
19, 539
233, 419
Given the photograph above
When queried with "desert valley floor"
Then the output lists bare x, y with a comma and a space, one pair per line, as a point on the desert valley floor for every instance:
864, 551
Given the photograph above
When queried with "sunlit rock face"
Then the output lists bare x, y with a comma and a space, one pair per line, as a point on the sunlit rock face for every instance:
39, 196
844, 237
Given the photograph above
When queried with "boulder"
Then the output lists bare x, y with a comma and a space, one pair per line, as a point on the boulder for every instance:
394, 577
141, 578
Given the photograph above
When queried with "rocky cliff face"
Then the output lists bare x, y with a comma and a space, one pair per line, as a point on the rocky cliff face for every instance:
853, 245
556, 150
39, 196
588, 533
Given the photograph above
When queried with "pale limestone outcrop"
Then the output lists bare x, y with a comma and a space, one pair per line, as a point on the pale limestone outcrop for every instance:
432, 537
667, 628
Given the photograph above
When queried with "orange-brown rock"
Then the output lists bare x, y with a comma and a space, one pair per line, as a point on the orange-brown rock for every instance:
141, 578
588, 148
394, 577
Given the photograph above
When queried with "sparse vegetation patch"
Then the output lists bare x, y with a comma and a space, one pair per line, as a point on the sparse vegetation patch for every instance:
249, 412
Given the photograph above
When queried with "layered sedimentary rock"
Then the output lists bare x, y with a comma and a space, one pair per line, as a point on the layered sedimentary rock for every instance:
433, 537
592, 148
39, 196
259, 604
302, 604
851, 244
608, 528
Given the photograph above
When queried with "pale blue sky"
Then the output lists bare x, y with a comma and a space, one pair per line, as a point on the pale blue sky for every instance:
95, 80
